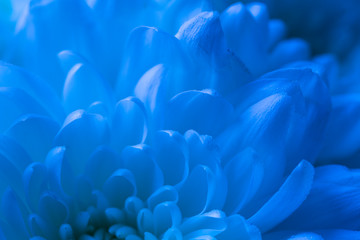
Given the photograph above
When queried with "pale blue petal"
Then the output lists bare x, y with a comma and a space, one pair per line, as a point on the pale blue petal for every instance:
35, 183
172, 156
140, 161
166, 215
202, 34
244, 175
163, 194
63, 30
35, 134
146, 48
119, 186
197, 192
133, 206
14, 102
129, 123
157, 86
145, 221
178, 12
101, 164
81, 133
61, 177
204, 111
10, 175
245, 36
83, 86
173, 234
202, 150
13, 210
289, 197
332, 203
214, 65
335, 234
238, 229
291, 235
211, 223
12, 76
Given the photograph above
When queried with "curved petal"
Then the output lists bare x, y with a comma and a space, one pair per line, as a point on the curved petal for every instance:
140, 161
35, 183
129, 123
118, 187
163, 194
211, 223
35, 134
172, 156
14, 102
52, 209
238, 229
13, 210
166, 215
61, 177
332, 203
83, 86
289, 197
64, 30
287, 51
204, 111
101, 164
244, 175
146, 48
12, 76
197, 191
81, 133
245, 30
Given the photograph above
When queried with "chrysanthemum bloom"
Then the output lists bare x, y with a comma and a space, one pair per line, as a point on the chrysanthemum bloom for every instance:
216, 141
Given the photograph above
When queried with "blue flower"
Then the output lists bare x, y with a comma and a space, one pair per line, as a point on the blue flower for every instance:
205, 126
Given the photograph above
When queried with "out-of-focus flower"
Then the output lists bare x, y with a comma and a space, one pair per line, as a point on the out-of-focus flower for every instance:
220, 121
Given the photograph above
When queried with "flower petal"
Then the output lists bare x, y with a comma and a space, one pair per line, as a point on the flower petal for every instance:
81, 133
163, 194
146, 48
14, 102
332, 203
101, 164
12, 76
239, 229
166, 215
61, 177
197, 192
204, 111
172, 156
13, 210
35, 134
245, 36
52, 209
35, 183
119, 186
211, 223
293, 192
244, 175
129, 123
139, 160
83, 86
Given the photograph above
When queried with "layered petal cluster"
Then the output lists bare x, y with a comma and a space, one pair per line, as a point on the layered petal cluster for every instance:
205, 125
